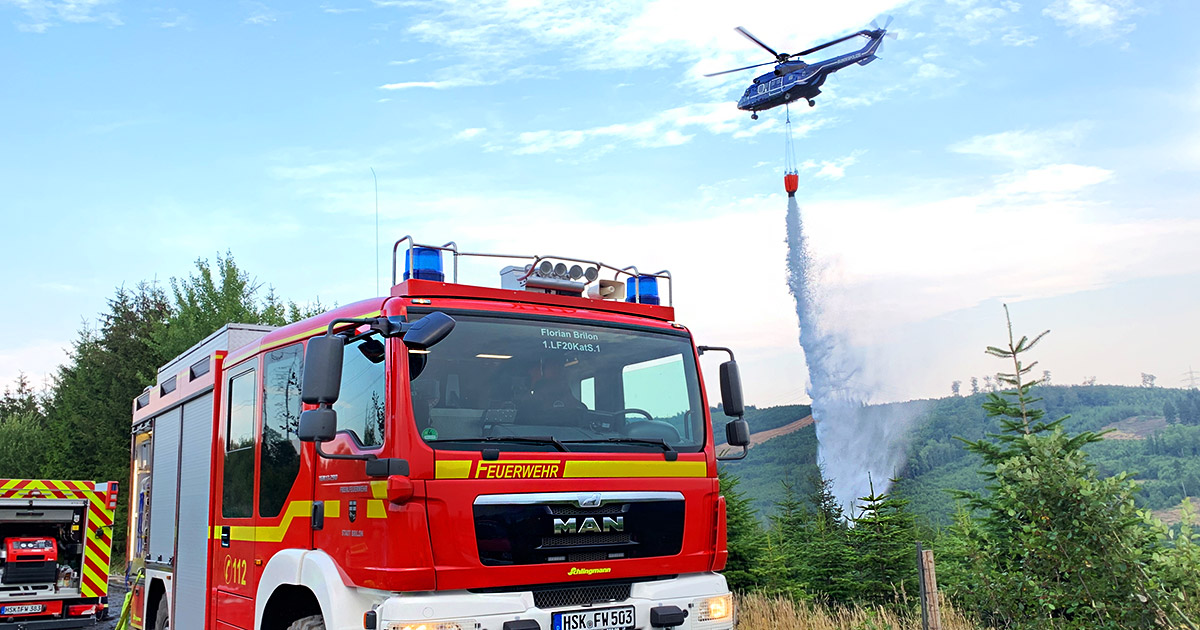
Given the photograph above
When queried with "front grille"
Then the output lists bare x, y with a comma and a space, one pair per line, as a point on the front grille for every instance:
579, 540
581, 595
559, 509
524, 533
591, 556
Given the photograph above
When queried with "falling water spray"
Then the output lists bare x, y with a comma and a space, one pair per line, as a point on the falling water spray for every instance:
857, 442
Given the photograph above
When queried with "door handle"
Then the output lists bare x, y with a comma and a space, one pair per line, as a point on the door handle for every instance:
224, 535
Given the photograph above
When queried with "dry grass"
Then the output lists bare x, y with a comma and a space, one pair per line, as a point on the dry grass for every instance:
756, 612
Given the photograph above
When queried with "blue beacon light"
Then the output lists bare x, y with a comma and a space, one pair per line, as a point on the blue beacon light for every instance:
426, 264
642, 289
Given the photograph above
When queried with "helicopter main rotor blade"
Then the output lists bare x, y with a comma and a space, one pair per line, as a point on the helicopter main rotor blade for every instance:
740, 69
758, 41
824, 46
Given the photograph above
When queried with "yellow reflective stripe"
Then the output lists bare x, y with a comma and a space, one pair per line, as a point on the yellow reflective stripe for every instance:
453, 469
461, 469
333, 509
286, 340
634, 469
379, 489
375, 509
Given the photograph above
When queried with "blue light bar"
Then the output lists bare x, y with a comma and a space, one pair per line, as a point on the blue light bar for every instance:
427, 264
642, 289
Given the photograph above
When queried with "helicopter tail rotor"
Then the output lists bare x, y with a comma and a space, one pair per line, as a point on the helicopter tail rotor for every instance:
875, 25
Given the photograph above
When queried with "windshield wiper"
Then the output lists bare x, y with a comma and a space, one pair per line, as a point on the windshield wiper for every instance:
532, 439
627, 440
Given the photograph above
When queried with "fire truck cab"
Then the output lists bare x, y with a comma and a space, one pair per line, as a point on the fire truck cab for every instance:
449, 457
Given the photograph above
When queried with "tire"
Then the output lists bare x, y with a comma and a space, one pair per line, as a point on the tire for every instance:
162, 617
313, 622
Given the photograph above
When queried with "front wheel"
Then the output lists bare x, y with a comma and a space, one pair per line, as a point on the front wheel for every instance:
313, 622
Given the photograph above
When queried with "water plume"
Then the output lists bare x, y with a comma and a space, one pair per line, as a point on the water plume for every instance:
856, 442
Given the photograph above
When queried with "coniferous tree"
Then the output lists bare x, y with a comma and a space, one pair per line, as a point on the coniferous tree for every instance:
1055, 544
744, 536
20, 399
828, 560
883, 539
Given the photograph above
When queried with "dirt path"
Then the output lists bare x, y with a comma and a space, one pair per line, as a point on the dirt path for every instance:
763, 436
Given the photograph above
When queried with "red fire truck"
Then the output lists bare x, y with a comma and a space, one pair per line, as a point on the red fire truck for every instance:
55, 540
450, 457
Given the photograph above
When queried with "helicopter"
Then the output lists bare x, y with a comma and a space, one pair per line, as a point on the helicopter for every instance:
793, 79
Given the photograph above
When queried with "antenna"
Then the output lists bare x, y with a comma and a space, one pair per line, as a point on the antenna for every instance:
376, 229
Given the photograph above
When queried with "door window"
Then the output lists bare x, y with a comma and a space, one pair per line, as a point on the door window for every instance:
238, 492
280, 460
360, 406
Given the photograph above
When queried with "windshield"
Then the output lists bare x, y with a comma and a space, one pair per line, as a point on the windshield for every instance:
557, 385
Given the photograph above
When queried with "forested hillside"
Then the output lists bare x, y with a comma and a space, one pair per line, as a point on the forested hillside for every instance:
1165, 461
1156, 437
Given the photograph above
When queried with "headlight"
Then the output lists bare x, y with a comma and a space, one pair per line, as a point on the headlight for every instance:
714, 608
460, 624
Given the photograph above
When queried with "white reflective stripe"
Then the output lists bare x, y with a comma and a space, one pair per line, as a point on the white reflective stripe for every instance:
575, 497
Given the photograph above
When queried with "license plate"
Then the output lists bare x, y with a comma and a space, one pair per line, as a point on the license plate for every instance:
27, 609
601, 619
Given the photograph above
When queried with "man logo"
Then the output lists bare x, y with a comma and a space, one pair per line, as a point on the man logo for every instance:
589, 525
589, 500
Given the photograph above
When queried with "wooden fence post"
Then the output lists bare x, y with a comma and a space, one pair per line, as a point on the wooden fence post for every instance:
930, 609
921, 584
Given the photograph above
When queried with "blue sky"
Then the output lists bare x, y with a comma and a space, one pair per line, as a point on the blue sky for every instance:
1043, 154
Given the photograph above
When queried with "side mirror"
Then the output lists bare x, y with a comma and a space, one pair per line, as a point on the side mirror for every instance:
737, 432
323, 370
427, 331
317, 425
731, 390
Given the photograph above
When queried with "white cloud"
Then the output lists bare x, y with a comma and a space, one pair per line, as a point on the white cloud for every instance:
974, 20
1055, 179
933, 71
666, 128
432, 85
467, 134
339, 10
1026, 147
605, 34
260, 14
44, 14
403, 62
1016, 37
1100, 18
831, 169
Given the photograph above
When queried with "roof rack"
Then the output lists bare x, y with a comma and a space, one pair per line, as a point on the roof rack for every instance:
534, 261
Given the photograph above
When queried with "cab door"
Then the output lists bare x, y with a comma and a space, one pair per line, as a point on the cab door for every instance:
233, 516
284, 509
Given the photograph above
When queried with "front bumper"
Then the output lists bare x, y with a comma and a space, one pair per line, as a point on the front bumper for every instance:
491, 610
47, 623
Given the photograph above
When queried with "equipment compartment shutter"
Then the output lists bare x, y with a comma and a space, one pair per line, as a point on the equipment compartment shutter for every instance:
163, 485
195, 477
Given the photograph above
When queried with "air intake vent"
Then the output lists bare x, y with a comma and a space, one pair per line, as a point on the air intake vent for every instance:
583, 540
581, 595
560, 509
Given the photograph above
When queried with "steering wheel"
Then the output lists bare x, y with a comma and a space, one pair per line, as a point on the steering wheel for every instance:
618, 422
629, 410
